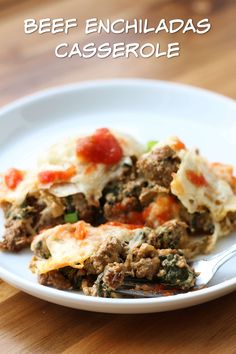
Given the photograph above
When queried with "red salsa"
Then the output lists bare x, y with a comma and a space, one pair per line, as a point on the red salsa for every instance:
196, 179
81, 231
178, 145
46, 177
163, 209
13, 178
126, 226
101, 147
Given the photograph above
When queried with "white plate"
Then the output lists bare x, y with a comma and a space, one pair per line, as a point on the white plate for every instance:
146, 109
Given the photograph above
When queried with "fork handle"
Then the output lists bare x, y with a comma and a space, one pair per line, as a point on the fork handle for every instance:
218, 260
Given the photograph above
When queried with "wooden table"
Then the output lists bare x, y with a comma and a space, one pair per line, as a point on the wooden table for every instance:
28, 63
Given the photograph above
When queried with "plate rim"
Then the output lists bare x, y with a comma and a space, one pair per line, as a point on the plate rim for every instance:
225, 285
89, 84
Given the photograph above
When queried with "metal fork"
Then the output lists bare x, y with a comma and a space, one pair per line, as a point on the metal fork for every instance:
208, 267
205, 267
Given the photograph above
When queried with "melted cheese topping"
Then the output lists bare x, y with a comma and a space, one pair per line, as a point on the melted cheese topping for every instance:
90, 178
16, 196
67, 249
174, 143
216, 194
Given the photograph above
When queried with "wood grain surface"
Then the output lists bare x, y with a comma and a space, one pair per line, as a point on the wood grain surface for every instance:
28, 64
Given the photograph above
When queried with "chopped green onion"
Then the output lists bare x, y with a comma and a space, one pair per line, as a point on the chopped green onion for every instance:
151, 144
71, 217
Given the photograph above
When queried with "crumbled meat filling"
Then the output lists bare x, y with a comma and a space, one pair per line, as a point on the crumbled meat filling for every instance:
24, 222
159, 165
141, 258
17, 235
109, 251
113, 275
79, 204
122, 198
172, 234
55, 279
198, 223
39, 212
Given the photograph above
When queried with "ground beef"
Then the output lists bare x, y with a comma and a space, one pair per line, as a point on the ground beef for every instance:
17, 236
150, 193
78, 203
172, 234
159, 165
39, 212
122, 198
118, 211
66, 278
23, 222
232, 218
74, 275
143, 262
55, 279
113, 262
198, 223
109, 251
113, 275
144, 251
228, 224
89, 289
153, 175
145, 268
